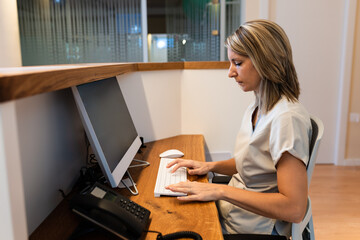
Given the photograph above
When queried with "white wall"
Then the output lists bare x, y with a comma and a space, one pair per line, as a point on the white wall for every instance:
212, 105
52, 150
12, 205
315, 29
169, 103
10, 54
154, 102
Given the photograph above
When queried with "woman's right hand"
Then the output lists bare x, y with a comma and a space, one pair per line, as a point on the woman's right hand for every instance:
194, 167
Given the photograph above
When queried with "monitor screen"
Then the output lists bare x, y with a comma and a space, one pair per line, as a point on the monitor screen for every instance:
108, 125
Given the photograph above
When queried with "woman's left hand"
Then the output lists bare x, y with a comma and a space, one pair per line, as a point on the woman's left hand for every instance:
197, 191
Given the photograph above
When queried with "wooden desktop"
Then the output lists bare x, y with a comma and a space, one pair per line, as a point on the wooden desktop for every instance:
168, 214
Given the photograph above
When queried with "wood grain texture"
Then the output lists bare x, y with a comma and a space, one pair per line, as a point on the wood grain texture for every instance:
168, 214
160, 66
29, 82
207, 65
16, 83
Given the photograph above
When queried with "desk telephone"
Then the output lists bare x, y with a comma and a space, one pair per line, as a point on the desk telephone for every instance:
117, 214
111, 211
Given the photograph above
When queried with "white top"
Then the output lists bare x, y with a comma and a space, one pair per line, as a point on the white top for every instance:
286, 127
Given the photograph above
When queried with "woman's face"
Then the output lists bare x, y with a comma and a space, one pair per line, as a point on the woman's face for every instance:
243, 71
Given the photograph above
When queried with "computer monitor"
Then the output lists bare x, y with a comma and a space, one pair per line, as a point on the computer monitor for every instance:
109, 127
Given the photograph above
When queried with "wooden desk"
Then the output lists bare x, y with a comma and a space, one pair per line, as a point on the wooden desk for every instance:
167, 213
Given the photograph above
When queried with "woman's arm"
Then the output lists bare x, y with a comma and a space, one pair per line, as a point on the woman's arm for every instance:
288, 205
227, 167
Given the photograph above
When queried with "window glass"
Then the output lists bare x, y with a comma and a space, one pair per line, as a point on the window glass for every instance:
96, 31
79, 31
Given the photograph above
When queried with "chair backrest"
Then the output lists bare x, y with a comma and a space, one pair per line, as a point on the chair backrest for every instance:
317, 134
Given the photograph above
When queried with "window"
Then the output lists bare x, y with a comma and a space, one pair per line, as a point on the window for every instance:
96, 31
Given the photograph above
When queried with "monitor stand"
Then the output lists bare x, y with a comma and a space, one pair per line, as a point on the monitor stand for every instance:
140, 164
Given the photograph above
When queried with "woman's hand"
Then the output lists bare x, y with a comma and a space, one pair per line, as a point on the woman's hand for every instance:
194, 167
197, 191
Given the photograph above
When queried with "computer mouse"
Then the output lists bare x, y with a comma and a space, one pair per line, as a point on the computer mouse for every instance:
172, 153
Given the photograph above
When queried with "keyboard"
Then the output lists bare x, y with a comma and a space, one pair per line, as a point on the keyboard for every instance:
165, 178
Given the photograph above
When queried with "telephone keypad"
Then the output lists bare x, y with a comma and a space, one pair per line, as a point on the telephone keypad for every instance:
135, 209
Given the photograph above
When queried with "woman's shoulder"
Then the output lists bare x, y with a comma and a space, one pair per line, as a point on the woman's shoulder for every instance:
285, 105
290, 109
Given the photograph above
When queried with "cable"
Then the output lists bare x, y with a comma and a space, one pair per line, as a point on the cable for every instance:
87, 144
92, 159
92, 156
176, 235
62, 193
151, 231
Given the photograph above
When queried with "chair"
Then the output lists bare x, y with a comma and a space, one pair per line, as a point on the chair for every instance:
304, 229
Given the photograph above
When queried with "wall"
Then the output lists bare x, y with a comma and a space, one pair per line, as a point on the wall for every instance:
353, 131
154, 101
315, 30
212, 105
10, 54
52, 150
169, 103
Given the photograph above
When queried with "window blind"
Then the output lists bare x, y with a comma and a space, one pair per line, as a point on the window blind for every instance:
80, 31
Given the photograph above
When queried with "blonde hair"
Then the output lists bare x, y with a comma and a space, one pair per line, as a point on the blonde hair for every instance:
268, 48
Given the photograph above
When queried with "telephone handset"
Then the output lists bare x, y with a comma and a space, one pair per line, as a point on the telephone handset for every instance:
111, 211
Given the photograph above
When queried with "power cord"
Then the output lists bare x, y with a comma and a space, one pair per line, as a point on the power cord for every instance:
177, 235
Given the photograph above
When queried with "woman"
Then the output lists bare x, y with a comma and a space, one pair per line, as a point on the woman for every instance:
268, 189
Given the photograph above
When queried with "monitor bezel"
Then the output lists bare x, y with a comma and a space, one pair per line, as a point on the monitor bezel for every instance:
114, 178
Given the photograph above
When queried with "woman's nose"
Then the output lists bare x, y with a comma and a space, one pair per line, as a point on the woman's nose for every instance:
231, 72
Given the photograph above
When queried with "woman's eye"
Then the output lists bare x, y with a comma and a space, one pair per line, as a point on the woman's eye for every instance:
238, 64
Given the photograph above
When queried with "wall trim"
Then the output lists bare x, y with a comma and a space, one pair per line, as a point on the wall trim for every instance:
350, 162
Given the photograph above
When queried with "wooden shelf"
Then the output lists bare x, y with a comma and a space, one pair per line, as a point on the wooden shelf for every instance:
23, 82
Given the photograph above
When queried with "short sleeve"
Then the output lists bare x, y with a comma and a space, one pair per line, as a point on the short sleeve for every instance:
291, 133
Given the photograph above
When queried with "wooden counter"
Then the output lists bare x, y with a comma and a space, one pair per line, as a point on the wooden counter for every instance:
23, 82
